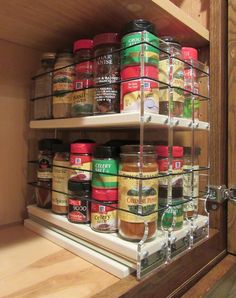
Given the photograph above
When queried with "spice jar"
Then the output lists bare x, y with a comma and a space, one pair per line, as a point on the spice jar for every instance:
63, 78
43, 87
79, 201
130, 224
171, 71
135, 32
191, 180
82, 101
131, 92
60, 176
81, 160
44, 172
105, 167
104, 217
173, 216
107, 72
190, 55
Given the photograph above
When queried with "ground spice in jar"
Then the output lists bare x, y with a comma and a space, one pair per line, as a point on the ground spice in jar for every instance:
82, 100
171, 71
131, 92
63, 85
104, 217
79, 201
60, 176
131, 225
105, 167
106, 71
135, 32
176, 200
44, 172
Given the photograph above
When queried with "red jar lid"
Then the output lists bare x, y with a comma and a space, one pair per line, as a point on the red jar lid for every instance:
106, 38
82, 148
83, 44
189, 53
177, 151
135, 72
105, 195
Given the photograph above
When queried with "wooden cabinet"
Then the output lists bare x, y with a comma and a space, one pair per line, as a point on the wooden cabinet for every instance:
26, 31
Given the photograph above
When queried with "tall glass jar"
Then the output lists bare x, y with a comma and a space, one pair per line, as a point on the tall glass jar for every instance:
131, 226
43, 87
171, 71
107, 72
63, 78
60, 176
82, 100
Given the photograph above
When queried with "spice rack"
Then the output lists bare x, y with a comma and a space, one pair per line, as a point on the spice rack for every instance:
143, 256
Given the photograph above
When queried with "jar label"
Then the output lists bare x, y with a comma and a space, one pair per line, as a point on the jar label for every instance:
187, 181
45, 168
171, 71
177, 167
59, 183
63, 81
82, 102
131, 55
79, 210
80, 163
171, 217
101, 170
131, 96
104, 218
128, 194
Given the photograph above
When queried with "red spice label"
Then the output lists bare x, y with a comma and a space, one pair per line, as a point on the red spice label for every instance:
104, 218
79, 84
80, 163
79, 211
85, 67
163, 165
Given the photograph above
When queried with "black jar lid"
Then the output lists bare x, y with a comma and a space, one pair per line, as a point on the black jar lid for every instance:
170, 39
139, 25
106, 152
61, 147
80, 187
46, 144
188, 150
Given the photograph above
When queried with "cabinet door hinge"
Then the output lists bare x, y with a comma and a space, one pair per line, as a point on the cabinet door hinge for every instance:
216, 196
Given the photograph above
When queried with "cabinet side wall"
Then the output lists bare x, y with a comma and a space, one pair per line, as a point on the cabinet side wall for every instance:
17, 65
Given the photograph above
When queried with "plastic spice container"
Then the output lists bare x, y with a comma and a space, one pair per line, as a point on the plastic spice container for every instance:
171, 71
131, 225
60, 176
105, 167
107, 71
43, 87
63, 85
130, 100
104, 217
135, 32
81, 160
44, 172
79, 202
82, 101
191, 180
175, 182
190, 55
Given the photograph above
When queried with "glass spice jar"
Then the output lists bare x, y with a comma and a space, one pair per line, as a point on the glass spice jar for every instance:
44, 172
60, 176
104, 217
43, 87
63, 77
82, 100
79, 201
130, 224
106, 71
171, 71
174, 214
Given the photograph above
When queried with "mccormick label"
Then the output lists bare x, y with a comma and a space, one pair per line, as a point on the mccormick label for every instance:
101, 170
131, 96
129, 197
104, 218
80, 163
79, 210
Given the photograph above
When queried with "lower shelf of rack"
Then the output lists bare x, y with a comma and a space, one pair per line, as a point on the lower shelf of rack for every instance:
109, 251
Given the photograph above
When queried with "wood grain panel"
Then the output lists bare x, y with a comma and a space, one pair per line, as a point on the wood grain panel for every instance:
55, 24
32, 266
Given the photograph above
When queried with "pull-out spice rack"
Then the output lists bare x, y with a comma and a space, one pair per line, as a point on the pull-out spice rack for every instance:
168, 243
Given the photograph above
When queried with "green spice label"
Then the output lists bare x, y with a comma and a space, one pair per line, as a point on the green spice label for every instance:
189, 108
82, 102
132, 55
102, 179
171, 217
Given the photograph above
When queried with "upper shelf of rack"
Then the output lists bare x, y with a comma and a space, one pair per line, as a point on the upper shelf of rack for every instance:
54, 24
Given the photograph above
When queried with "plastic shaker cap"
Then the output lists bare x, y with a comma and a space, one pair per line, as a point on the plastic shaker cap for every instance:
177, 151
189, 53
83, 148
82, 44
